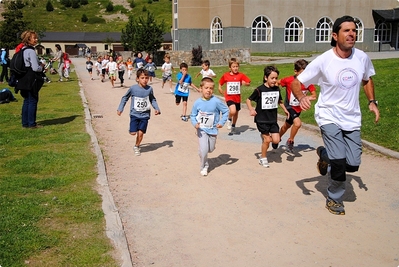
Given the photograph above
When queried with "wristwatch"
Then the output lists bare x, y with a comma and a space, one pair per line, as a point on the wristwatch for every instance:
373, 101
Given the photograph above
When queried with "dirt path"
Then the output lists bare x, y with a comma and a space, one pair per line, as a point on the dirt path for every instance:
241, 214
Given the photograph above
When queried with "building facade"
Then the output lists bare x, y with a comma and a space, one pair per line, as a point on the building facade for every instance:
281, 25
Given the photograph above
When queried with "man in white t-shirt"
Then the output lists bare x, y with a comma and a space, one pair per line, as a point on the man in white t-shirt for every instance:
339, 72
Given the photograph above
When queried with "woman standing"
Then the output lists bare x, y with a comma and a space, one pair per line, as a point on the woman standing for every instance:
5, 64
59, 56
32, 81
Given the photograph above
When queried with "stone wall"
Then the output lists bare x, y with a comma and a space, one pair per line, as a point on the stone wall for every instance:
216, 57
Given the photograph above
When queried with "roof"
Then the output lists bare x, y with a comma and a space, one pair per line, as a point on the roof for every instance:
89, 37
388, 15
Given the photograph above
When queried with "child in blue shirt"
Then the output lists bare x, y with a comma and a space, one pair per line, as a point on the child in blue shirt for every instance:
151, 67
207, 115
140, 108
182, 88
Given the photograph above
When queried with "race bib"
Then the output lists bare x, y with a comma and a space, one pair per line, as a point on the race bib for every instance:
89, 66
233, 88
269, 100
183, 88
151, 68
205, 119
141, 103
139, 65
293, 101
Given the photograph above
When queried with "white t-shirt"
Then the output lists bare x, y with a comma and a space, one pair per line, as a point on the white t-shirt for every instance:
167, 67
112, 67
340, 81
208, 73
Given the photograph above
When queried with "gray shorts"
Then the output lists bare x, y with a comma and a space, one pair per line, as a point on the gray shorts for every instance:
342, 144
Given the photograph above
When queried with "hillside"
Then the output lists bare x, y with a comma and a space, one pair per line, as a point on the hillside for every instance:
99, 20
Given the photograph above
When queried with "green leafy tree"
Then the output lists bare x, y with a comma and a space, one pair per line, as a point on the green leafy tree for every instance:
13, 25
49, 6
75, 3
132, 4
143, 33
110, 7
84, 2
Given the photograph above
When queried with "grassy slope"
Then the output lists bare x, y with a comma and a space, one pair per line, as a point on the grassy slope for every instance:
69, 19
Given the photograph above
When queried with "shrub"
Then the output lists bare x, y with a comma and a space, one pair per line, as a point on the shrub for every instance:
197, 56
132, 4
49, 6
96, 20
149, 1
84, 18
110, 7
75, 3
144, 9
66, 3
84, 2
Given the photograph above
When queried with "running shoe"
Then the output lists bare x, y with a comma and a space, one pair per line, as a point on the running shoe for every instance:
228, 124
322, 166
204, 171
335, 207
137, 150
232, 131
264, 162
290, 146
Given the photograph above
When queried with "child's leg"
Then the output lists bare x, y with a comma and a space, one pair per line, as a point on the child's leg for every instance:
184, 108
139, 138
265, 144
284, 128
203, 148
295, 128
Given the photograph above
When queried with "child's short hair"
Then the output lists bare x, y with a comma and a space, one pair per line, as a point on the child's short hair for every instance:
268, 70
206, 80
300, 64
233, 60
167, 56
206, 62
142, 71
183, 65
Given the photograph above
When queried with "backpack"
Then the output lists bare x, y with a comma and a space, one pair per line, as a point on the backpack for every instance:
17, 67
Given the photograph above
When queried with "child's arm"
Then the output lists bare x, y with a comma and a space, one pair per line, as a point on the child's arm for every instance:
252, 111
196, 88
284, 108
198, 74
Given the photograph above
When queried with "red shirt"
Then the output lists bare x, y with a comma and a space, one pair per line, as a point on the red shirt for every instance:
233, 88
290, 100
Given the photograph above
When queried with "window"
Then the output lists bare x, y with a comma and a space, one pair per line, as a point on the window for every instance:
294, 30
324, 30
216, 31
359, 30
105, 47
382, 32
261, 30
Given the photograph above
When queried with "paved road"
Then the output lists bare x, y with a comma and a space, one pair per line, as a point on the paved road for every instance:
241, 214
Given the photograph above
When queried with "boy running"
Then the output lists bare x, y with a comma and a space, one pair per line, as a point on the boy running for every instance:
232, 94
167, 70
292, 104
267, 98
142, 97
205, 117
182, 91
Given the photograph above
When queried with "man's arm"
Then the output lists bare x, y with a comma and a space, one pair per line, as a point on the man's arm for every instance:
297, 91
369, 90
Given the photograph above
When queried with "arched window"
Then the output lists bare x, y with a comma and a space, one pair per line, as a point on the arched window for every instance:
261, 30
359, 30
382, 32
216, 31
324, 30
294, 30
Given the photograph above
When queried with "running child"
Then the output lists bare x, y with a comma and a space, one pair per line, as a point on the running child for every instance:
267, 97
150, 67
292, 104
182, 88
140, 108
139, 61
97, 65
167, 70
206, 71
67, 66
89, 67
208, 114
112, 67
232, 94
129, 64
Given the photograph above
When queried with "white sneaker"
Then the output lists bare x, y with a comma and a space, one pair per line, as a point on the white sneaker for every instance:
264, 162
204, 171
136, 150
228, 124
171, 90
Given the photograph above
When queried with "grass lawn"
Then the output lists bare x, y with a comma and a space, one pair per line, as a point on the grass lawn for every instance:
51, 214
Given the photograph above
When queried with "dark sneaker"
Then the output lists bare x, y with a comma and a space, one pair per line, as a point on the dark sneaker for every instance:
290, 146
232, 131
335, 207
274, 146
322, 166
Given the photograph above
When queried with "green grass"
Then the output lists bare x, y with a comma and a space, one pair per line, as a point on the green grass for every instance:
50, 212
69, 19
385, 133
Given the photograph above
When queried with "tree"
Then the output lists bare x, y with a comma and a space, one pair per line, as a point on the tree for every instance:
143, 34
49, 6
84, 18
110, 7
13, 25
